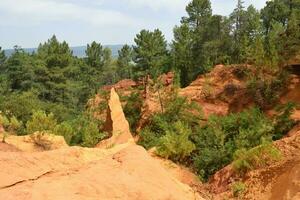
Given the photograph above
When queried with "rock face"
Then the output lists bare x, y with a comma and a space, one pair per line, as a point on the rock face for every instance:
153, 95
221, 91
98, 104
116, 123
125, 172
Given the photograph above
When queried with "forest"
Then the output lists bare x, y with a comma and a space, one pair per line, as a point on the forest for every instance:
48, 90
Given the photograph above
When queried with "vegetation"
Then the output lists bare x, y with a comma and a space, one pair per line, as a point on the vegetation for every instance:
47, 91
257, 157
178, 111
132, 110
176, 144
218, 140
216, 143
238, 188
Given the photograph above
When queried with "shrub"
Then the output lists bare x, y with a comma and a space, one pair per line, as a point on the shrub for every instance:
4, 121
15, 125
176, 144
207, 89
11, 125
12, 105
257, 157
91, 135
238, 188
217, 141
241, 71
148, 138
176, 109
132, 110
41, 139
86, 131
40, 121
282, 121
266, 91
64, 129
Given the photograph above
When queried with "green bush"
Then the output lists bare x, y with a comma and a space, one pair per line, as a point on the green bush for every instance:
238, 189
64, 129
148, 138
21, 105
132, 110
266, 91
40, 121
260, 156
4, 121
175, 144
86, 132
217, 141
282, 120
177, 109
156, 128
12, 125
91, 135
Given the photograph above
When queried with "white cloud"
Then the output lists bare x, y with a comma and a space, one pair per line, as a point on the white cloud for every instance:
166, 5
35, 12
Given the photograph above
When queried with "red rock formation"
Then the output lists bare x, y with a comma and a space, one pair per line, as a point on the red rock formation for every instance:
221, 91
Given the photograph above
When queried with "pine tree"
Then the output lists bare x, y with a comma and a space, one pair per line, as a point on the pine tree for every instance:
125, 62
182, 53
150, 52
2, 58
94, 53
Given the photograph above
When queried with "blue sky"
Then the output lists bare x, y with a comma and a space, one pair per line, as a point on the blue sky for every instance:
29, 22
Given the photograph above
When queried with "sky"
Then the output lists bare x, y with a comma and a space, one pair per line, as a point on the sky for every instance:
28, 22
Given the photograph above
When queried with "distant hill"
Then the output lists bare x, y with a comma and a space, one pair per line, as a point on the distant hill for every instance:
78, 51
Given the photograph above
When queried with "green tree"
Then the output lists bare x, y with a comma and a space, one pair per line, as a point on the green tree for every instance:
57, 57
2, 58
19, 69
275, 11
150, 52
182, 53
238, 17
175, 144
98, 60
94, 53
125, 62
292, 35
10, 103
198, 12
54, 53
199, 15
107, 56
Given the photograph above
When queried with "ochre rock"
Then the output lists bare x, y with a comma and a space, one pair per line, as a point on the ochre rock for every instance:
116, 123
221, 91
77, 173
26, 143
